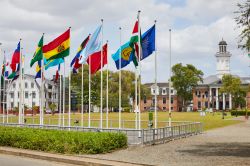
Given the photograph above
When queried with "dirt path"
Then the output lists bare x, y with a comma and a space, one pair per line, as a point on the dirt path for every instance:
224, 146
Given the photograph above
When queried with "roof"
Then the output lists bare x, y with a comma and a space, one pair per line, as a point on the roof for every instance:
222, 42
214, 79
160, 84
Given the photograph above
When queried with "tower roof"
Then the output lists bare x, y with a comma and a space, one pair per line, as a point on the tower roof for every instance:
222, 42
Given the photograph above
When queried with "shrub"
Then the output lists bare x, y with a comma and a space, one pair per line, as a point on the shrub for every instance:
71, 142
240, 113
126, 109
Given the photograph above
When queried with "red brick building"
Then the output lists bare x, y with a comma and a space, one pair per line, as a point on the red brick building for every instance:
162, 93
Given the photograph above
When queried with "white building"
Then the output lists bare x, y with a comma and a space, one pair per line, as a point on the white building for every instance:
31, 92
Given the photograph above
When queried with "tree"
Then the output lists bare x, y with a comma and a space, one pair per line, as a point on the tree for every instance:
243, 21
232, 85
127, 88
184, 79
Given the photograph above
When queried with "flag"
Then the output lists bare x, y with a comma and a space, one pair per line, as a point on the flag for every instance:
38, 55
148, 42
127, 55
14, 75
58, 48
53, 62
3, 68
96, 59
93, 45
134, 43
38, 70
15, 58
57, 73
82, 46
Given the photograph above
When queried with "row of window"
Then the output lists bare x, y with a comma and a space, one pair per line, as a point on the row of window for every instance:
12, 104
164, 108
164, 100
25, 85
26, 95
164, 91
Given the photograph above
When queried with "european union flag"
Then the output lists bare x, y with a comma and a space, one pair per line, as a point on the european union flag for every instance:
148, 42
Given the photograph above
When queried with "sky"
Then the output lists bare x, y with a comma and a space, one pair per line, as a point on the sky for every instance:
197, 26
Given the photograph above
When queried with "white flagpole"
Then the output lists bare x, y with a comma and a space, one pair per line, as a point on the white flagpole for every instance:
4, 100
120, 109
63, 92
155, 83
89, 91
60, 100
139, 50
107, 92
1, 89
5, 94
101, 104
170, 74
43, 92
82, 99
20, 84
69, 112
136, 101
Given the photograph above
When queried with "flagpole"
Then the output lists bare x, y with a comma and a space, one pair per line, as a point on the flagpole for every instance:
101, 104
107, 93
155, 83
64, 92
20, 83
120, 80
7, 116
1, 88
139, 41
82, 98
170, 74
89, 91
60, 100
69, 113
4, 101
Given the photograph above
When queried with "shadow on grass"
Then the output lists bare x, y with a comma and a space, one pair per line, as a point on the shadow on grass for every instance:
220, 149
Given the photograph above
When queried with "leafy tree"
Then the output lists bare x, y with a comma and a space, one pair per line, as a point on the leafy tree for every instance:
184, 79
232, 85
243, 21
127, 82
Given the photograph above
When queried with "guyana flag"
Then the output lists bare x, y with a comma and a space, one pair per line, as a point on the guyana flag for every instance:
38, 55
58, 48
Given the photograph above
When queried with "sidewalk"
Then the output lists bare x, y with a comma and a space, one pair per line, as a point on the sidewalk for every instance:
77, 160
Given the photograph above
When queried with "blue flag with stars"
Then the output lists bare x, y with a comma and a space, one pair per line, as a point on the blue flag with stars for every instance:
148, 42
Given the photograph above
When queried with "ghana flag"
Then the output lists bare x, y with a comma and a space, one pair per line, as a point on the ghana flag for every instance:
58, 48
38, 55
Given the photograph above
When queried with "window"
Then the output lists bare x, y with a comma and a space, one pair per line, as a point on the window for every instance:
26, 95
33, 104
26, 85
153, 100
172, 99
12, 104
199, 104
33, 94
18, 94
145, 100
164, 100
164, 108
164, 92
172, 108
145, 108
153, 91
12, 95
14, 85
206, 104
206, 94
32, 85
172, 91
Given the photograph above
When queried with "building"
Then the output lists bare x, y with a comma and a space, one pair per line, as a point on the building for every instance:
31, 93
162, 92
206, 95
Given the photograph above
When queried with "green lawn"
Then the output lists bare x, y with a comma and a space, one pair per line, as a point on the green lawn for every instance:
210, 121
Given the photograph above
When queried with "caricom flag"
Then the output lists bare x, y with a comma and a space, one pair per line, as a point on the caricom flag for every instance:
38, 55
58, 48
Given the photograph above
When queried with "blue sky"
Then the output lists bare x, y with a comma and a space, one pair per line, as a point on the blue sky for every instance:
197, 27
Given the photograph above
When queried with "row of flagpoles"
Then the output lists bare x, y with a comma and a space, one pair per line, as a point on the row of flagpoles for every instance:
93, 51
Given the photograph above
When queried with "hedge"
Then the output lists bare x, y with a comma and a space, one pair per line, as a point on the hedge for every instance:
71, 142
240, 113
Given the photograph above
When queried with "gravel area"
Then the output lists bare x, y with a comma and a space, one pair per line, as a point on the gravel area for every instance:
223, 146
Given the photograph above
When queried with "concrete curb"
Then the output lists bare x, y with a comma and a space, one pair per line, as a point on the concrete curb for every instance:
85, 161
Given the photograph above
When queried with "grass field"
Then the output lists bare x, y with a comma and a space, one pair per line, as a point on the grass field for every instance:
210, 121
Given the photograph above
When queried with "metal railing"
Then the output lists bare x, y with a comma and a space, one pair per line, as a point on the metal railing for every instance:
135, 136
